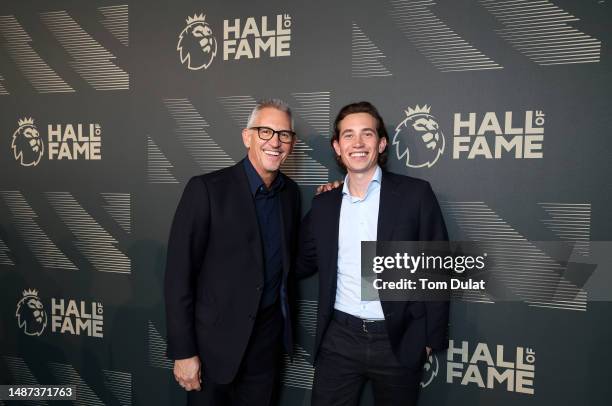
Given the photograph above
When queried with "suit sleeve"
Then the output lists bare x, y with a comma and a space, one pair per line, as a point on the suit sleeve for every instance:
306, 261
433, 228
188, 237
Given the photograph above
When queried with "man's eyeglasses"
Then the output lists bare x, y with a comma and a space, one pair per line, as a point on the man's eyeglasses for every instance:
266, 133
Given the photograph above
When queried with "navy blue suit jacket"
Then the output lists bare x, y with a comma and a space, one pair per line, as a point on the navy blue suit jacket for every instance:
215, 269
408, 211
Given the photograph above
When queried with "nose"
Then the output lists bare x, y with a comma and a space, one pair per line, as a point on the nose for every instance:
359, 141
275, 140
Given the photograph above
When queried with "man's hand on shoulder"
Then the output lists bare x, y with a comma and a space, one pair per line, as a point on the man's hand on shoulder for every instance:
187, 373
328, 186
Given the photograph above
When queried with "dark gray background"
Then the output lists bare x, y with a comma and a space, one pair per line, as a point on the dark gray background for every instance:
572, 346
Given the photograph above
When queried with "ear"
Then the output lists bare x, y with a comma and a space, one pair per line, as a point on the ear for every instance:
292, 145
336, 147
246, 138
382, 144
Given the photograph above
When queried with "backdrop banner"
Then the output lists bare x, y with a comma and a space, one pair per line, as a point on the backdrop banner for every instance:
109, 107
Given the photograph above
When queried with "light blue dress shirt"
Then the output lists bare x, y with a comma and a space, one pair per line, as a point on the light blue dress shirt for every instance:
358, 222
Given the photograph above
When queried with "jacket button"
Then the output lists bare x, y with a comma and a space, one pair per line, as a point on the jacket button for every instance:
259, 288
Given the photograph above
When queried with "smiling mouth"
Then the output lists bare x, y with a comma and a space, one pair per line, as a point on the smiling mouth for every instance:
272, 153
358, 154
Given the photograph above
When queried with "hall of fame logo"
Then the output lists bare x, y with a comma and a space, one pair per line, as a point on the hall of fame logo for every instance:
418, 139
485, 366
242, 38
197, 45
27, 144
66, 315
31, 314
64, 141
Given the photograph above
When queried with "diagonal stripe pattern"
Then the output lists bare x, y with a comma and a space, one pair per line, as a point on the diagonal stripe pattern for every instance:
18, 44
116, 21
158, 166
93, 241
441, 45
119, 207
45, 251
540, 31
191, 132
66, 374
157, 349
314, 108
529, 272
91, 60
300, 372
120, 384
570, 222
366, 58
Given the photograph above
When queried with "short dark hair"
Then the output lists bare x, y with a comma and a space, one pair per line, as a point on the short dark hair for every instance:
361, 107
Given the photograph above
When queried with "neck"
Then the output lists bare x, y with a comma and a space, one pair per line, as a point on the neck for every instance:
268, 177
358, 182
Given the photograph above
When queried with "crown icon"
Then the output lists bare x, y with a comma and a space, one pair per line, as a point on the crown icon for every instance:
418, 109
25, 121
30, 292
196, 18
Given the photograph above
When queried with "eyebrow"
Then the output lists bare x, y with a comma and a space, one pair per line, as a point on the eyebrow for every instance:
362, 130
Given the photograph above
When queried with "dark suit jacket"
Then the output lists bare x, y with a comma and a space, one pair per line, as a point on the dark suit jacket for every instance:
215, 269
408, 211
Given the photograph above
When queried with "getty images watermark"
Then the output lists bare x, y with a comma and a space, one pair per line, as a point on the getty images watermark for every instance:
489, 270
447, 263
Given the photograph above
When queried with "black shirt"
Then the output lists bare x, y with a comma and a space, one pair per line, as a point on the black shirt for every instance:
268, 208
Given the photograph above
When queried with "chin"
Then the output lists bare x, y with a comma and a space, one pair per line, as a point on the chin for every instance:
359, 169
272, 167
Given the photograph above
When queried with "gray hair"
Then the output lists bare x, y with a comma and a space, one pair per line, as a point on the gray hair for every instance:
274, 103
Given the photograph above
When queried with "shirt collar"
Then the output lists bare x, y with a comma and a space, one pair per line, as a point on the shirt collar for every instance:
376, 179
255, 181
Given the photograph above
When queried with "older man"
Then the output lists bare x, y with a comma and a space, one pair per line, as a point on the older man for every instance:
229, 253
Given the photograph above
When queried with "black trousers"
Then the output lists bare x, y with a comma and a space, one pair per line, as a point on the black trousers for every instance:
256, 381
349, 356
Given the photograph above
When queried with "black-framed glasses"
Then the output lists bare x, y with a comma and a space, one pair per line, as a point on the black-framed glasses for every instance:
266, 133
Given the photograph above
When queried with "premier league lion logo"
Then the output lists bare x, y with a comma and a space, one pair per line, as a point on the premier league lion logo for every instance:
31, 315
27, 144
197, 45
430, 370
418, 138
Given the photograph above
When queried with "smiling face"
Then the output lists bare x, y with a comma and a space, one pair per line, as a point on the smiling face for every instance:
267, 156
358, 144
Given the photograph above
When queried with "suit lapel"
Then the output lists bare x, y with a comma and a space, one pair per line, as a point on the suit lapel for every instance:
286, 208
333, 230
387, 208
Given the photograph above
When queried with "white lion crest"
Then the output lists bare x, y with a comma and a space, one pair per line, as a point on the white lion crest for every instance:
430, 370
31, 315
418, 139
196, 45
27, 144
